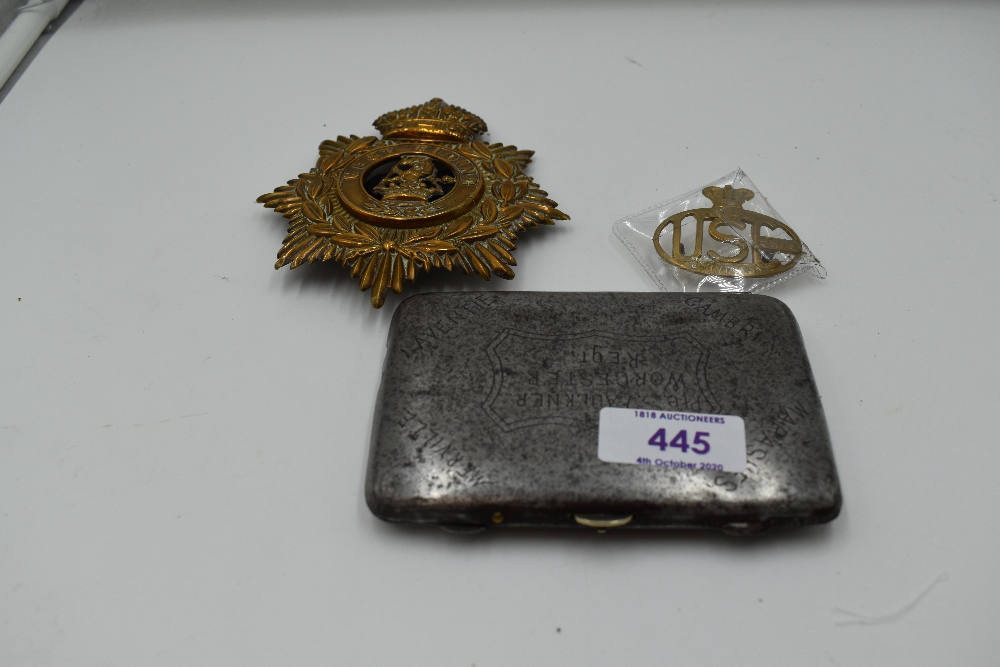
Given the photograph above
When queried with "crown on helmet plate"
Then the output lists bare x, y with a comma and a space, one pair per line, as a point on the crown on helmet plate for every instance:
435, 119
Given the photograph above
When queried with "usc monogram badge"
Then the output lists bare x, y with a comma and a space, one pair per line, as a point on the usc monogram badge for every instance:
757, 256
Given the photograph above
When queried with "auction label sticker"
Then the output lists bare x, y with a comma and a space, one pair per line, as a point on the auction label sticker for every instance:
672, 439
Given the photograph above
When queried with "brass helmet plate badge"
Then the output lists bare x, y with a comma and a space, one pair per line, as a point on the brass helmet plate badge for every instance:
427, 194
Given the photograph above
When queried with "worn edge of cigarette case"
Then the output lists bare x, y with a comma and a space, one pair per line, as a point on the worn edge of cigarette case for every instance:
487, 414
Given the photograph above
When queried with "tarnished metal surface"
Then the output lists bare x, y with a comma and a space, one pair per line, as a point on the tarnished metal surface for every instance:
488, 411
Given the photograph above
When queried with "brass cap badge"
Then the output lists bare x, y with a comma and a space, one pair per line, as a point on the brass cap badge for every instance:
763, 256
425, 195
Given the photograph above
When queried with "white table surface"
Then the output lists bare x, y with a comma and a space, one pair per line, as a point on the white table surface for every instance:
184, 430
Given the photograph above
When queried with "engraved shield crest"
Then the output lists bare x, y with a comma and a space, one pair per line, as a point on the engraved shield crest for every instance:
567, 378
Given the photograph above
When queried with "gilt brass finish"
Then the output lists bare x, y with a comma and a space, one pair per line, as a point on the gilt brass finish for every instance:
758, 259
412, 194
427, 194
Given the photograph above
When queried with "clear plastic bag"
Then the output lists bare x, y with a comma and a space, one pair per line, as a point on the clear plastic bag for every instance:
723, 237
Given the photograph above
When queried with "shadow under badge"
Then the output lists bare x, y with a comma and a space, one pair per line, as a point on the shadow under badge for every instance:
504, 409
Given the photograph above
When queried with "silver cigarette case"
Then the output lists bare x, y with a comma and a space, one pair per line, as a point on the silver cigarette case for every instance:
488, 412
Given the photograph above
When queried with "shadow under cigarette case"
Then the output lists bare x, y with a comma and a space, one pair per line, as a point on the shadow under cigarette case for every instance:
490, 403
